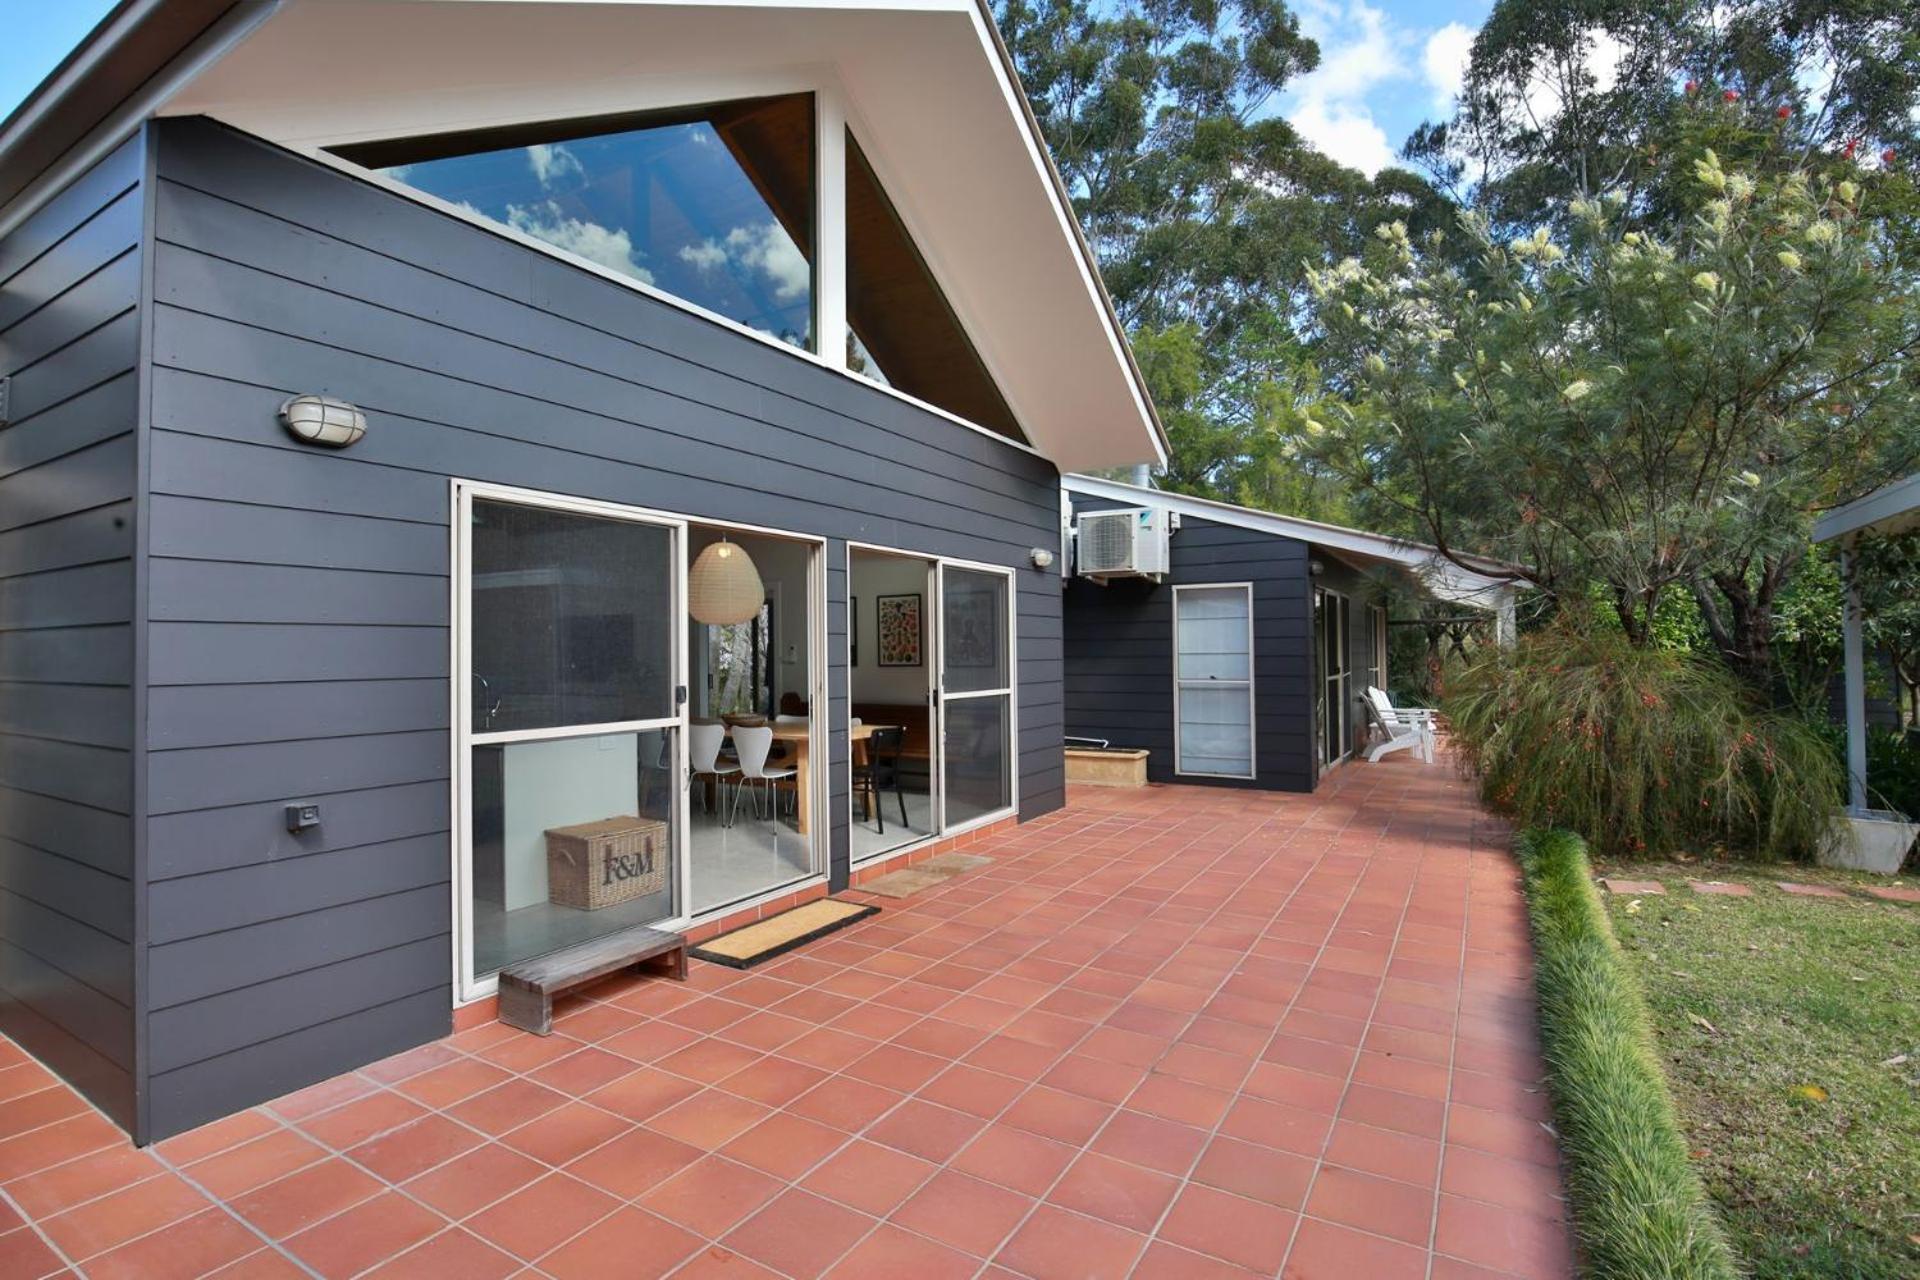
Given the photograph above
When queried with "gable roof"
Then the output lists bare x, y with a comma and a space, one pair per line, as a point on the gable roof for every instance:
1436, 573
927, 85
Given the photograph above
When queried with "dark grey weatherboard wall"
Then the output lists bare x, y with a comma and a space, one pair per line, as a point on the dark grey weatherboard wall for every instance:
300, 597
1119, 680
69, 343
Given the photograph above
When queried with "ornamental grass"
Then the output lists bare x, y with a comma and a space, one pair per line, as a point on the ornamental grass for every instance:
1640, 751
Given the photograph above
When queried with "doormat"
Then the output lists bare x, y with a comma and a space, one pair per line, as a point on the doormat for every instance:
925, 875
747, 947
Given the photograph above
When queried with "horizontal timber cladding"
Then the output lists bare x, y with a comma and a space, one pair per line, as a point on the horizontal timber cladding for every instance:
1119, 648
298, 644
69, 346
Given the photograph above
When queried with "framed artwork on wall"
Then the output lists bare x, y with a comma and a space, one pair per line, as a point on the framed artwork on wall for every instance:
898, 627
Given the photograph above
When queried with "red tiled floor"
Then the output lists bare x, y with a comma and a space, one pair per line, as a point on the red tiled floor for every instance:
1176, 1034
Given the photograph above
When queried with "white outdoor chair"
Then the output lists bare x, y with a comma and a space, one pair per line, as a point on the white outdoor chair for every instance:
753, 746
703, 755
1405, 728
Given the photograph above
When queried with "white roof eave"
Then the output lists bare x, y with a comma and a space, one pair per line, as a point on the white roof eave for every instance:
1443, 578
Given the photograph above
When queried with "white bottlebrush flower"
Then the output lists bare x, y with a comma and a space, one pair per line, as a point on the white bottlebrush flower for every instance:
1312, 428
1575, 390
1789, 259
1706, 280
1375, 365
1707, 170
1739, 186
1822, 233
1847, 191
1749, 479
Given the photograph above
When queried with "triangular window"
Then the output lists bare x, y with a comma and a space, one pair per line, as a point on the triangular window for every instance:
900, 330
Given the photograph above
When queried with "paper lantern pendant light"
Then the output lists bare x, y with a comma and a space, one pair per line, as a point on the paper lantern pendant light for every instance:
723, 587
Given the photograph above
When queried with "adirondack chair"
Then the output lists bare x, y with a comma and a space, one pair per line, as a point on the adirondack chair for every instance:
1403, 728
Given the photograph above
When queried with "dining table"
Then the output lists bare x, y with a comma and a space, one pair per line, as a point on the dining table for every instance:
798, 738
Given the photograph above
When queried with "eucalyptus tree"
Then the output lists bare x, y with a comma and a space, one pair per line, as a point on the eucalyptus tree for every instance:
1204, 207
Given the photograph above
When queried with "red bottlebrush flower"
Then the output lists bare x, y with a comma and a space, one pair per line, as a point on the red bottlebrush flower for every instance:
1887, 156
1853, 145
1782, 113
1692, 85
1730, 95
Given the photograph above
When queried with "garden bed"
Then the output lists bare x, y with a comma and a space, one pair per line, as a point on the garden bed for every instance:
1790, 1034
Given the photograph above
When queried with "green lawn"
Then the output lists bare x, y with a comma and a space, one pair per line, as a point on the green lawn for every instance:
1778, 1018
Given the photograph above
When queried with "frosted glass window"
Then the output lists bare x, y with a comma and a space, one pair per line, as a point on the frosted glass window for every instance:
1213, 680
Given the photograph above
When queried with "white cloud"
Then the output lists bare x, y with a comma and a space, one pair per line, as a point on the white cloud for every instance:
552, 160
1444, 62
1345, 134
765, 248
606, 246
1359, 51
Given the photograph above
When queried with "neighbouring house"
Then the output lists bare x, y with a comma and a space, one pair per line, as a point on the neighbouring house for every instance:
1236, 645
430, 426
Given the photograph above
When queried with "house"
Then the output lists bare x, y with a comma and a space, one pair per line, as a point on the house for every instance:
1241, 656
431, 426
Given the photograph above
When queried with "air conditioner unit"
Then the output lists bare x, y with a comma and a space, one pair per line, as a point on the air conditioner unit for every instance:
1133, 543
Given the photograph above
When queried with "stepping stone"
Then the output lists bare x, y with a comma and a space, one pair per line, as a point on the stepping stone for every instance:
1894, 894
1809, 890
1721, 888
1643, 888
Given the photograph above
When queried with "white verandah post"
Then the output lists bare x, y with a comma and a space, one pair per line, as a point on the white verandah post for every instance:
1856, 683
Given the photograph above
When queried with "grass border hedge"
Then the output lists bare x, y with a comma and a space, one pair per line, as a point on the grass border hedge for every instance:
1639, 1207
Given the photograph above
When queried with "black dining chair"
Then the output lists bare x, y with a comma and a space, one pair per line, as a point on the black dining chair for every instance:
881, 772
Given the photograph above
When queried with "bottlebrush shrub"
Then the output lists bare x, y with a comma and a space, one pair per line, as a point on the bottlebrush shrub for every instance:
1639, 750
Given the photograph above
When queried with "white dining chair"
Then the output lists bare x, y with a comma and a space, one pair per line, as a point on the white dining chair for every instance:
703, 755
753, 746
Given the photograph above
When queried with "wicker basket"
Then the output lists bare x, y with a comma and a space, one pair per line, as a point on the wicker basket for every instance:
599, 864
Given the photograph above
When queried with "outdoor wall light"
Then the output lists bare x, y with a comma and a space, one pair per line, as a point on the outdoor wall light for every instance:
1315, 568
322, 420
1041, 557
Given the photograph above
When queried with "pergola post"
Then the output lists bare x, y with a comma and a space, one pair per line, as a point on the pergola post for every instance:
1505, 630
1856, 683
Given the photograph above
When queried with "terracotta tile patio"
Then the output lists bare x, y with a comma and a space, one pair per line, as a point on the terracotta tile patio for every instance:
1181, 1033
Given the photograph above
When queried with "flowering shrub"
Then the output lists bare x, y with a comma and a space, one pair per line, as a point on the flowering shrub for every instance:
1652, 403
1640, 750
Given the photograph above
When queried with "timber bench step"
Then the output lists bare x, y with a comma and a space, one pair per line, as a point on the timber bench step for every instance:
527, 990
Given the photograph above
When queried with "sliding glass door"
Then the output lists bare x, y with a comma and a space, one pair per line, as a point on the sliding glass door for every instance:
1213, 680
1332, 619
571, 654
975, 636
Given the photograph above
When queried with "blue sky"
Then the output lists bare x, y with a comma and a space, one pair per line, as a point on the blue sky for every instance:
38, 34
1385, 66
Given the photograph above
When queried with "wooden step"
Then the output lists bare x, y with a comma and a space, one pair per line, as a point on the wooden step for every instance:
527, 990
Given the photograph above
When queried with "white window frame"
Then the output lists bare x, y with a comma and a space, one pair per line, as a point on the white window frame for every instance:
1010, 691
1378, 613
469, 987
1321, 677
1253, 720
936, 761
